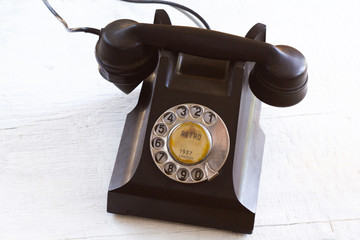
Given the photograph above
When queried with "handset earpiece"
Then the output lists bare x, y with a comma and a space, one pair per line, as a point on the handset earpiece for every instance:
123, 60
283, 81
127, 54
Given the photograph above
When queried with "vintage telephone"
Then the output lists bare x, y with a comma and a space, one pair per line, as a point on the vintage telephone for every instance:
191, 150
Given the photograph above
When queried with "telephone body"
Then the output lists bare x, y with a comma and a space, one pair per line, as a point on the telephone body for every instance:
191, 149
213, 180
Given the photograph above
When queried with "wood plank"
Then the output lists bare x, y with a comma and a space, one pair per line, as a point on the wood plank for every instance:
60, 123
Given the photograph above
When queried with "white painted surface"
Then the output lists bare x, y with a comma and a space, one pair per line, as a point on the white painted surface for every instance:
60, 123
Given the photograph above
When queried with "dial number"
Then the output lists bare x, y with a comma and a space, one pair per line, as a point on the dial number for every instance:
161, 157
169, 168
182, 174
197, 174
196, 111
182, 111
209, 117
158, 143
169, 118
160, 129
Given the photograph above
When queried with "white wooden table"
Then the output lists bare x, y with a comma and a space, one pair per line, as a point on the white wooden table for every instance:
61, 123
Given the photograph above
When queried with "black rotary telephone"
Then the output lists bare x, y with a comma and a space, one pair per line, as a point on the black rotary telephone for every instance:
191, 150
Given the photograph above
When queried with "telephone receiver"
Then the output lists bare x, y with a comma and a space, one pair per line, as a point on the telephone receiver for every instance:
197, 119
127, 53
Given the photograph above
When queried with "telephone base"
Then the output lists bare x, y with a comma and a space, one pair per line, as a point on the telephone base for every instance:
228, 201
232, 219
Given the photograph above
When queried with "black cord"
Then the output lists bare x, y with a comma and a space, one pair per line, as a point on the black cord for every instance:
97, 31
176, 5
80, 29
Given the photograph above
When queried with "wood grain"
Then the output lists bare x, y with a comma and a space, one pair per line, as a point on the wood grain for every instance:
61, 123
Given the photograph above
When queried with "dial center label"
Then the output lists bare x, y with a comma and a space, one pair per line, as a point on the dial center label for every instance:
189, 143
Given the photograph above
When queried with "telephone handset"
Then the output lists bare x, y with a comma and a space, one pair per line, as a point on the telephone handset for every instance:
127, 53
191, 150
